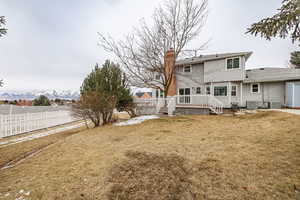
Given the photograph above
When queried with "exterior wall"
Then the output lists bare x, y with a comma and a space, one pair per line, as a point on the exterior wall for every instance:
289, 94
293, 94
192, 79
216, 71
269, 92
297, 95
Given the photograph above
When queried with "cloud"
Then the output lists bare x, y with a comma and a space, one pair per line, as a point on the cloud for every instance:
53, 44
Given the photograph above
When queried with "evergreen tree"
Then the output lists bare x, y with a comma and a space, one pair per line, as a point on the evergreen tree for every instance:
285, 22
42, 100
101, 92
295, 59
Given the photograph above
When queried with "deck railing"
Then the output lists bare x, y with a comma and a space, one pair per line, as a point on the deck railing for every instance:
199, 101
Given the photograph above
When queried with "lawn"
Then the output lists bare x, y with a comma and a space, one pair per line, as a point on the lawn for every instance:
255, 156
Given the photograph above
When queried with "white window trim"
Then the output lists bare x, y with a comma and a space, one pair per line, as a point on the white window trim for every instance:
251, 88
236, 89
187, 66
220, 86
240, 62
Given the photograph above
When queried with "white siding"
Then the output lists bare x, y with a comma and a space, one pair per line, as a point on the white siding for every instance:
216, 71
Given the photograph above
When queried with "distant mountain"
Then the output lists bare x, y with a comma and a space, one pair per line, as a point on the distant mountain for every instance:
30, 95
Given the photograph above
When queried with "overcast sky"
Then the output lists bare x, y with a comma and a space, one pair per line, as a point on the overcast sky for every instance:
53, 44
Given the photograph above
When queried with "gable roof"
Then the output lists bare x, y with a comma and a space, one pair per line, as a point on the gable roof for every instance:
211, 57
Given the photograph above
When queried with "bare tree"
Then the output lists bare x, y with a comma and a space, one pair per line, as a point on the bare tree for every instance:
175, 24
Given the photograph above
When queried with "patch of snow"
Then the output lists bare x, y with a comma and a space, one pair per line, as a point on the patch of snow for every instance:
137, 120
21, 191
291, 111
39, 135
27, 193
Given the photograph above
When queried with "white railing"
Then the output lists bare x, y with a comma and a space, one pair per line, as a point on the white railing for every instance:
216, 105
202, 101
15, 124
199, 101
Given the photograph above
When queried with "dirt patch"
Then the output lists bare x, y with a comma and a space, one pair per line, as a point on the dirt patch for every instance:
151, 176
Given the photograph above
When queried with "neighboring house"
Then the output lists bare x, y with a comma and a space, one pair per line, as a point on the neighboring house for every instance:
143, 95
225, 78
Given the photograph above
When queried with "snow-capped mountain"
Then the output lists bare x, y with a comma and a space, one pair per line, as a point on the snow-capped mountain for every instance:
30, 95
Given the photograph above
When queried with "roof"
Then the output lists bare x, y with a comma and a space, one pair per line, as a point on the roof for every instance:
140, 94
211, 57
272, 74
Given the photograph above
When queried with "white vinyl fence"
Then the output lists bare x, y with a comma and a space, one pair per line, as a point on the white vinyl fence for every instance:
13, 124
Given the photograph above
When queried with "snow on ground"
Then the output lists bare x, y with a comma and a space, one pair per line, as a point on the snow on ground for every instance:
39, 135
136, 120
291, 111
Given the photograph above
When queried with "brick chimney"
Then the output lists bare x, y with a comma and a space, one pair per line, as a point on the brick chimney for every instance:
170, 67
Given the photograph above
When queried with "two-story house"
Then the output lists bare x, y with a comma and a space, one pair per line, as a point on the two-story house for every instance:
224, 77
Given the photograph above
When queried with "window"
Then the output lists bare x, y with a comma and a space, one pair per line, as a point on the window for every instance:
156, 93
220, 91
187, 69
255, 88
233, 90
198, 90
157, 77
208, 90
184, 95
162, 94
233, 63
184, 91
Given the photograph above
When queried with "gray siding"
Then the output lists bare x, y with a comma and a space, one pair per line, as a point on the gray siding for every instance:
269, 92
216, 71
192, 79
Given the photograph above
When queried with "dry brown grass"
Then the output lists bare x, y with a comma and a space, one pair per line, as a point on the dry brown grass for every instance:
247, 157
145, 176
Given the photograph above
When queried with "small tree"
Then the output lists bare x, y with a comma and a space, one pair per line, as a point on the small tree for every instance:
101, 92
281, 24
295, 59
126, 103
42, 100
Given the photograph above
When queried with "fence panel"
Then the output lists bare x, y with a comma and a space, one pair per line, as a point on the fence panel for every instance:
21, 123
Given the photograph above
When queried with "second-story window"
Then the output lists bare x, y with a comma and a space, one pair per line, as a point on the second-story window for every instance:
187, 69
198, 90
233, 63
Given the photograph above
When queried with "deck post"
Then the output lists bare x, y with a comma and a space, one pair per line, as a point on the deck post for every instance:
229, 93
241, 94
